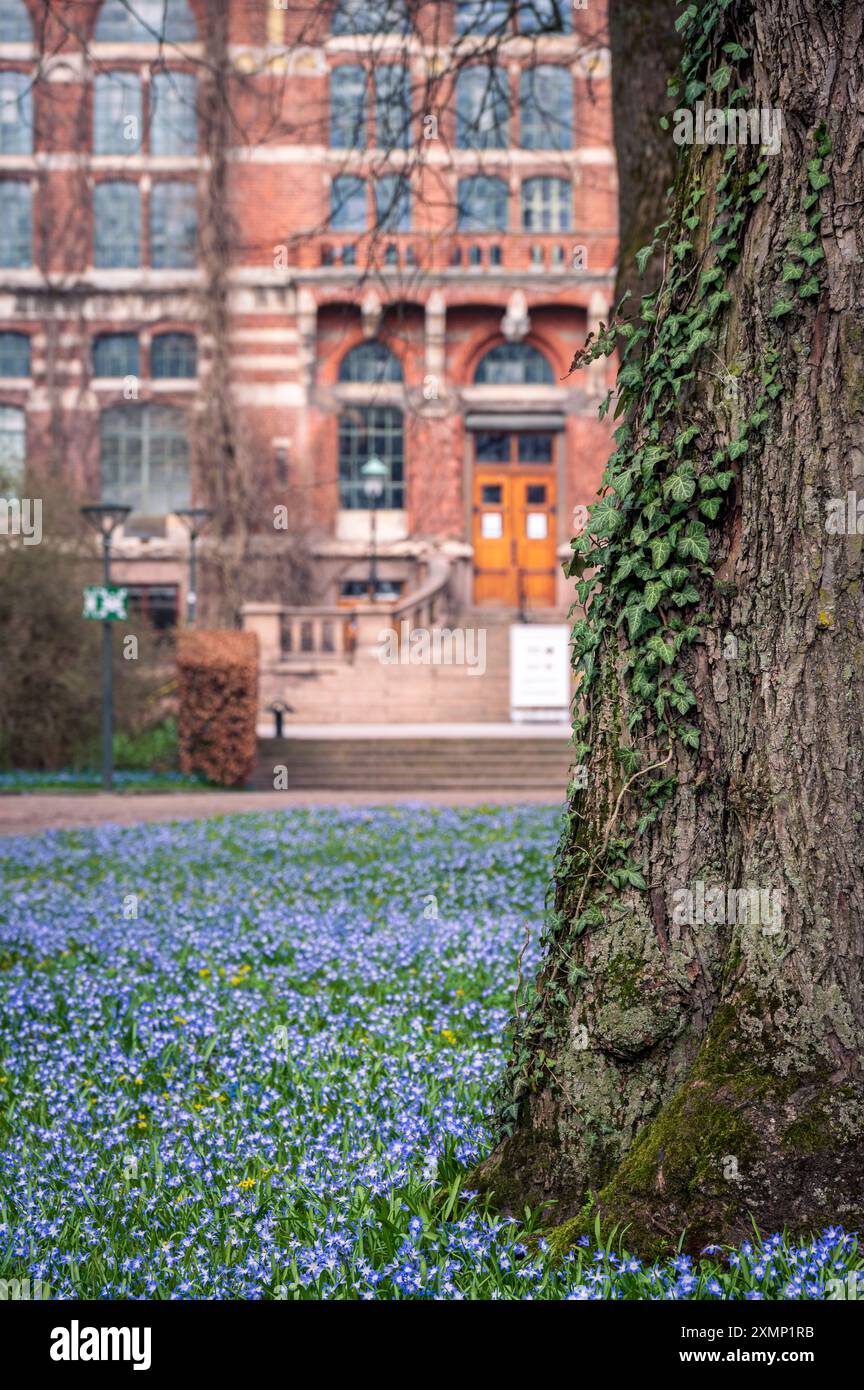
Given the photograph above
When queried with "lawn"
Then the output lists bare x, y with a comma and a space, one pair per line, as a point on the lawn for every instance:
251, 1058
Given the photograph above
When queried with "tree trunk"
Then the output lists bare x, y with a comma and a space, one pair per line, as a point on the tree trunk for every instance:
674, 1074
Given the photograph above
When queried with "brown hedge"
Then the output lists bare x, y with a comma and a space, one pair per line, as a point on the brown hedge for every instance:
217, 690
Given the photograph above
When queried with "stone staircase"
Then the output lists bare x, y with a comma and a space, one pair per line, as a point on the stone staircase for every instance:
518, 760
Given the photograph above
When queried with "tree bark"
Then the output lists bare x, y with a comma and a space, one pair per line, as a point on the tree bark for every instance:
673, 1075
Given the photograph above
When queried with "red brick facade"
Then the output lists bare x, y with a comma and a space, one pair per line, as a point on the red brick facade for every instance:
300, 294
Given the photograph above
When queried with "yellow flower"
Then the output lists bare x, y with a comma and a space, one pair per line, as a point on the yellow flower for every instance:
204, 972
246, 1183
448, 1035
181, 1021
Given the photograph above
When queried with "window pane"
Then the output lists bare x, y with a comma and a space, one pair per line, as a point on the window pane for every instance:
116, 113
546, 205
15, 25
174, 355
514, 364
348, 107
393, 203
16, 113
535, 448
482, 204
16, 224
392, 107
14, 354
370, 17
546, 105
173, 226
115, 354
370, 362
13, 449
348, 204
545, 16
482, 16
482, 108
145, 458
144, 21
363, 432
492, 446
173, 113
116, 225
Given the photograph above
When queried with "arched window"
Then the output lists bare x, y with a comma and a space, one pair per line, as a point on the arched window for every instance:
372, 362
513, 364
14, 354
365, 432
13, 449
348, 107
15, 23
145, 21
115, 354
16, 224
482, 107
370, 17
16, 113
545, 16
145, 458
482, 204
174, 355
546, 108
547, 205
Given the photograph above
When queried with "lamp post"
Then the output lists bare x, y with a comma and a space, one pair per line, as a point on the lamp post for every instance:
373, 474
194, 519
105, 519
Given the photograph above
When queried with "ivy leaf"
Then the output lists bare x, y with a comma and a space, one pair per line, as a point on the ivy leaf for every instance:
682, 597
643, 256
812, 254
680, 249
653, 592
724, 479
810, 287
736, 52
658, 644
738, 447
684, 19
710, 506
721, 78
661, 549
605, 517
680, 487
694, 543
817, 179
635, 615
781, 307
689, 735
791, 271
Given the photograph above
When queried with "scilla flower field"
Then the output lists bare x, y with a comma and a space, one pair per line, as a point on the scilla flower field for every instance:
253, 1058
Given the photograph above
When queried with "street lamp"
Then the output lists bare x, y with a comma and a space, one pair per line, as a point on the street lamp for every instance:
194, 519
105, 519
373, 474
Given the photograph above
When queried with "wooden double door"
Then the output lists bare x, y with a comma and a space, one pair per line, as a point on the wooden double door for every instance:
514, 508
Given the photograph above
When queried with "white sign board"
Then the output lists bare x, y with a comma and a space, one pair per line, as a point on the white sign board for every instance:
539, 672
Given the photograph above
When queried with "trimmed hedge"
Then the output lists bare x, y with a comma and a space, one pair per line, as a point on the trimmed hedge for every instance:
217, 690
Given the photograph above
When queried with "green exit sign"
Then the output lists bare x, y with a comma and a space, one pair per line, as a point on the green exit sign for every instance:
105, 603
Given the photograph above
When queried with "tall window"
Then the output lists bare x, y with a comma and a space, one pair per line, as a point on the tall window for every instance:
115, 354
482, 16
13, 449
348, 107
15, 23
16, 113
365, 432
370, 17
546, 108
545, 16
173, 113
173, 226
145, 458
392, 107
14, 354
348, 204
372, 361
514, 364
116, 225
174, 355
482, 108
482, 204
547, 205
145, 21
117, 107
393, 203
16, 224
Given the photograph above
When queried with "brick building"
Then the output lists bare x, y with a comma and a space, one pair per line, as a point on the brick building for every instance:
376, 230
